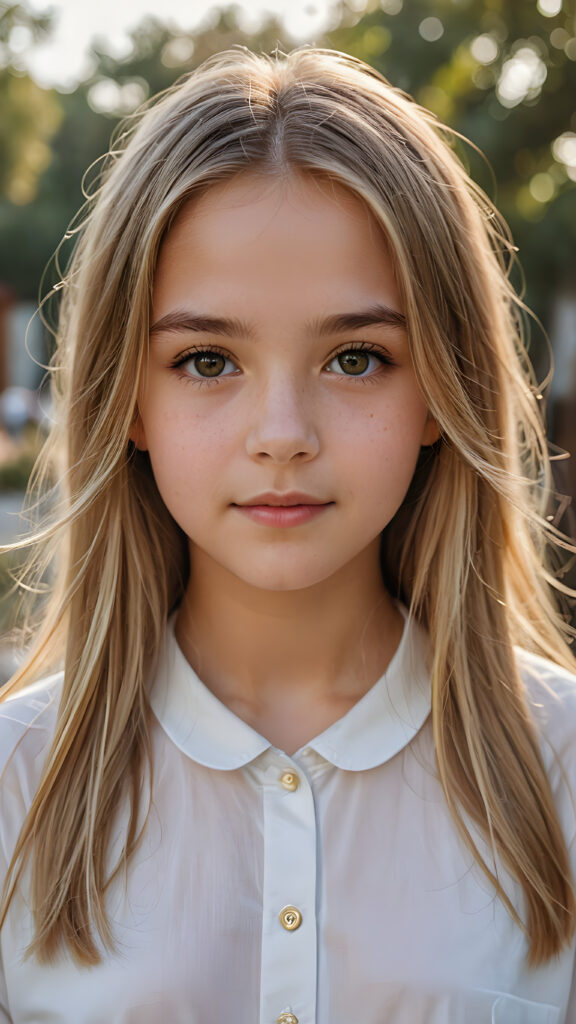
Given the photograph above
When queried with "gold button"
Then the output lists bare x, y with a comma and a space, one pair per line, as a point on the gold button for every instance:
290, 918
290, 781
287, 1018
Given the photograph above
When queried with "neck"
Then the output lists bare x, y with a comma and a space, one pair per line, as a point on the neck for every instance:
258, 648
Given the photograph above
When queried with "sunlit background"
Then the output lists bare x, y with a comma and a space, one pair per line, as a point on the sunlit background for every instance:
64, 58
501, 72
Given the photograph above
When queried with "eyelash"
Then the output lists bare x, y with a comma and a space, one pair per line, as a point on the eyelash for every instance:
360, 346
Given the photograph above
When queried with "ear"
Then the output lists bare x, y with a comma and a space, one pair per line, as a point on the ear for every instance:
138, 434
431, 432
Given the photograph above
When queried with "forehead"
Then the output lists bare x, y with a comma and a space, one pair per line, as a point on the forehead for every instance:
254, 194
292, 239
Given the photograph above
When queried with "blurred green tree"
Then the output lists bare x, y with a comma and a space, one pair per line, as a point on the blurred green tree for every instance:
32, 227
503, 74
30, 115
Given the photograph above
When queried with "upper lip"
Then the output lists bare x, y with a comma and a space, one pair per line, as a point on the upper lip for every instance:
283, 500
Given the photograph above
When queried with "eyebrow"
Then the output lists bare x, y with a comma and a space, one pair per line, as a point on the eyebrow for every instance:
186, 320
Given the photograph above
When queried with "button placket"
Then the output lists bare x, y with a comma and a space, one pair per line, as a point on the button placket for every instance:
289, 936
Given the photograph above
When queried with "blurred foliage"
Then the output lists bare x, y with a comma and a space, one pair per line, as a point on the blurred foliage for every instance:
10, 562
498, 71
19, 457
30, 233
503, 74
14, 475
16, 469
30, 115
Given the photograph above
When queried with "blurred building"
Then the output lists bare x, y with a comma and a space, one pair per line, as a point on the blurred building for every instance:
22, 343
563, 388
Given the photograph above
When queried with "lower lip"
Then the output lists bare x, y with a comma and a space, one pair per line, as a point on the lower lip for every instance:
282, 515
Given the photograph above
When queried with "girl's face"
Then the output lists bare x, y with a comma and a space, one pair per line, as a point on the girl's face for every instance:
280, 407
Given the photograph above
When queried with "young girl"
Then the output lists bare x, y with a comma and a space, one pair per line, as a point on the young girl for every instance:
311, 756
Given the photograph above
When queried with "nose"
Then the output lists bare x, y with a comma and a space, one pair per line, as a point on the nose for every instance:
283, 425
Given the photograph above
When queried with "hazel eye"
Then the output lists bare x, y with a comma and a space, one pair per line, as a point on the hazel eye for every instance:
355, 362
208, 364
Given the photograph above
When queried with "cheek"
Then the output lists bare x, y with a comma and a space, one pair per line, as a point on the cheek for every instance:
188, 453
381, 452
390, 429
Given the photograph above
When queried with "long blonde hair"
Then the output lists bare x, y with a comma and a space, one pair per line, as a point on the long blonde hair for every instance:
466, 551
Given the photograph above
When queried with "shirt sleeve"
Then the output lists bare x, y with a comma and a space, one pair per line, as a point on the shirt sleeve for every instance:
26, 724
571, 1007
5, 1017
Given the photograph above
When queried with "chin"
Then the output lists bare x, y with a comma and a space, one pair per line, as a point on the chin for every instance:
283, 581
285, 586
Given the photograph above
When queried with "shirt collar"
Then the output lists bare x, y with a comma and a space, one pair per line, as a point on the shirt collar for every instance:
194, 719
389, 715
374, 730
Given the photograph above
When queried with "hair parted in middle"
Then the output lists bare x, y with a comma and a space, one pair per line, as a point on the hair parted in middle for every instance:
464, 552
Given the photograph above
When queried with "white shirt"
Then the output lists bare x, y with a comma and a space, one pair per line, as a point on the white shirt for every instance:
398, 924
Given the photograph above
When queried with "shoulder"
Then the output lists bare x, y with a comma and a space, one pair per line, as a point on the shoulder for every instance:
551, 696
27, 721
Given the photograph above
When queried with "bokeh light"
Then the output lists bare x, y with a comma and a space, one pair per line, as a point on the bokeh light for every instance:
484, 49
522, 77
431, 29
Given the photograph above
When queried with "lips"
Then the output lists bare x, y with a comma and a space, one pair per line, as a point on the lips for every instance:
278, 511
288, 500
